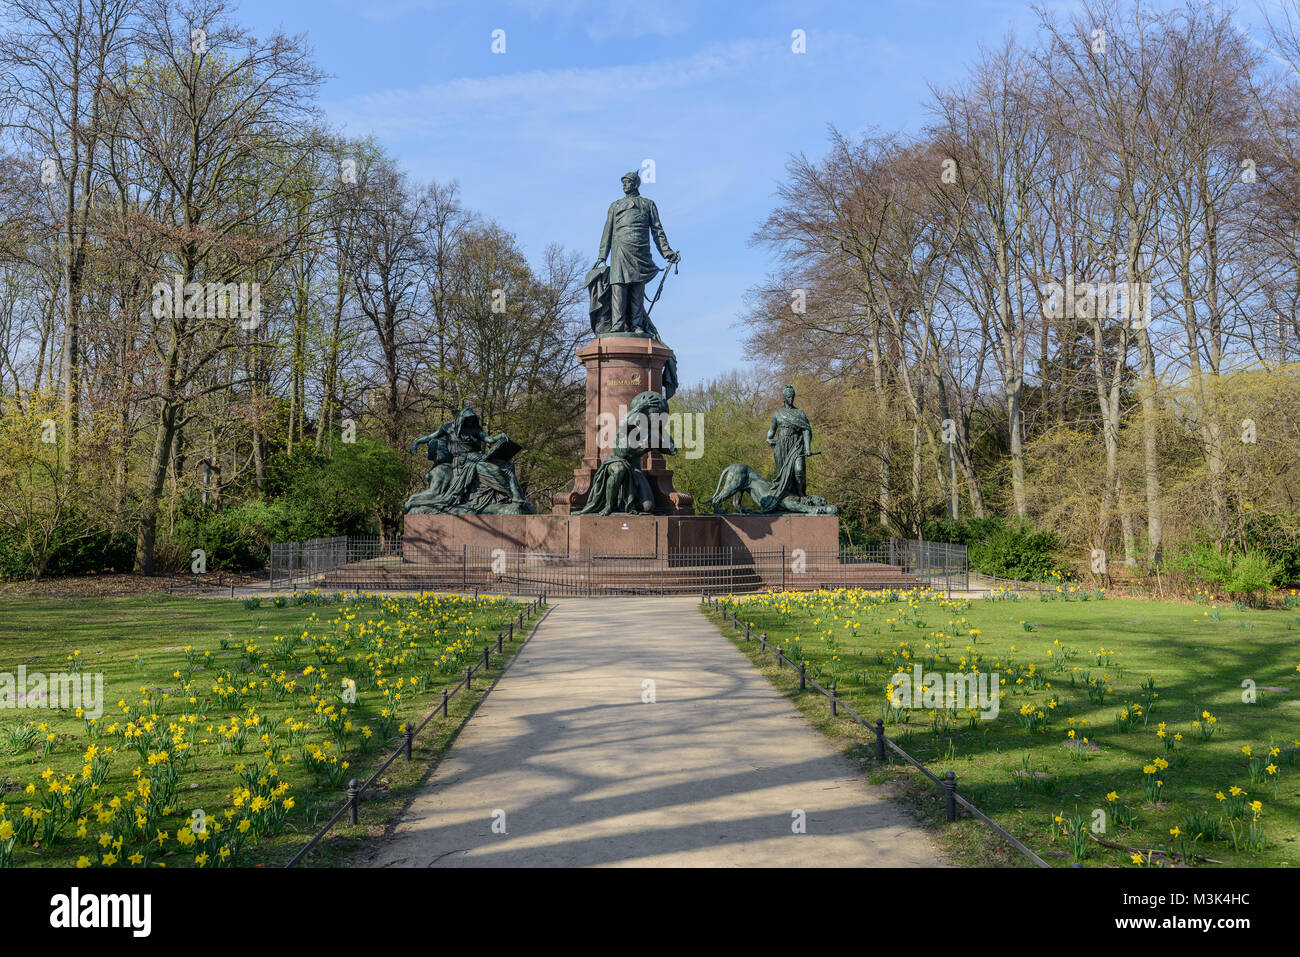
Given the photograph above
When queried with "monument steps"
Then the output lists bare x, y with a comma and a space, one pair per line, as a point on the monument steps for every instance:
592, 575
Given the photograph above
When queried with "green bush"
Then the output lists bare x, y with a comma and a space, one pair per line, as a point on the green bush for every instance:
1204, 564
965, 531
1242, 575
1268, 534
235, 538
308, 495
345, 494
1017, 551
1252, 574
73, 550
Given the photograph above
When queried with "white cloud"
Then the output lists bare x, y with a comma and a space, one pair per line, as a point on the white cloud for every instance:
424, 109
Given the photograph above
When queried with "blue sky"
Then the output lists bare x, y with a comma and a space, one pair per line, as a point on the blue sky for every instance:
711, 92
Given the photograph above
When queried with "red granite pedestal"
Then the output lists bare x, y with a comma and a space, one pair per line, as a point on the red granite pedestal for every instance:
430, 537
618, 369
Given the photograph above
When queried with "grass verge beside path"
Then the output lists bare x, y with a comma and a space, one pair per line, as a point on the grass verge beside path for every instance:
228, 732
1123, 727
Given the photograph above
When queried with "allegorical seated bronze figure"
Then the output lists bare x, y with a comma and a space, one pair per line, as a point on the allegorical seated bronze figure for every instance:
472, 472
790, 436
619, 485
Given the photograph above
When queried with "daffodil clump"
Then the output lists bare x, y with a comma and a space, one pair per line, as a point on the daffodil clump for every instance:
252, 710
897, 646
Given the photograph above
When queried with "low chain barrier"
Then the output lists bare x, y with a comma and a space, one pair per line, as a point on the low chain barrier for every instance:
948, 783
351, 805
208, 582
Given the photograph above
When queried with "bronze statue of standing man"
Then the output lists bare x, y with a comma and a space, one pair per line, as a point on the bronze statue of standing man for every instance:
625, 242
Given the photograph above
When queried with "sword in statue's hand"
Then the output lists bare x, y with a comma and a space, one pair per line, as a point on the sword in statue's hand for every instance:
677, 257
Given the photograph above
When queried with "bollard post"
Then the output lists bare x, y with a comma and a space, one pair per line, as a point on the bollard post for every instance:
353, 793
880, 740
835, 704
444, 702
409, 735
803, 676
500, 637
747, 631
469, 674
778, 657
487, 661
950, 791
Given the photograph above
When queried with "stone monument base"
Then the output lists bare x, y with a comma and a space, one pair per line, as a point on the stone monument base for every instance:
431, 537
616, 555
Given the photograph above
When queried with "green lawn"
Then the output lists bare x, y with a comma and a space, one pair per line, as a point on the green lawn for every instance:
1095, 659
255, 717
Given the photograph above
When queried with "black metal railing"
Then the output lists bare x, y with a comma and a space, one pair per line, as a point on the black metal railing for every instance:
379, 564
947, 784
291, 561
351, 805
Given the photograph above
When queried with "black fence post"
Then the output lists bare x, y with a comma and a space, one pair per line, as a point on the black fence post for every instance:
803, 676
469, 675
444, 702
500, 638
353, 793
835, 704
511, 626
950, 792
880, 740
487, 661
409, 735
778, 656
